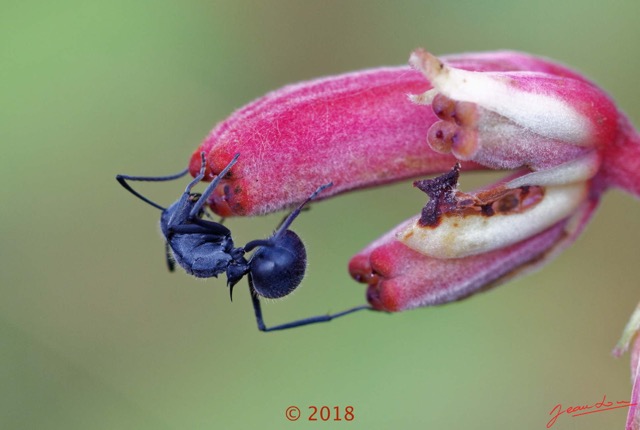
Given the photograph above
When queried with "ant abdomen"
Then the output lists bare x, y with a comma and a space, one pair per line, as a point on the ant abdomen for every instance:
278, 269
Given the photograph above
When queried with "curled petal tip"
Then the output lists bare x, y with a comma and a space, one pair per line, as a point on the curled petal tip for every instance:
430, 65
422, 99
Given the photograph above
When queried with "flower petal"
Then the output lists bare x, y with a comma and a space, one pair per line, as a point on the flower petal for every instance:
359, 130
508, 119
469, 232
353, 130
400, 278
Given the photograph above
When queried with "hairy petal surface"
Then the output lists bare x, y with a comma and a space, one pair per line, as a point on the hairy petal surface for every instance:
356, 130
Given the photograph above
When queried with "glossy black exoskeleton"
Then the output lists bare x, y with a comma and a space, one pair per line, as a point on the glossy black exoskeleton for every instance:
205, 249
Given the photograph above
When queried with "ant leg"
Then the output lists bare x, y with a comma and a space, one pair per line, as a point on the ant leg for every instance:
212, 186
298, 323
208, 233
122, 179
284, 218
286, 222
208, 215
213, 227
258, 242
198, 178
171, 264
293, 215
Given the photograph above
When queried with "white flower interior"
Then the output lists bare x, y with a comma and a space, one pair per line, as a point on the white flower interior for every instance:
459, 236
532, 109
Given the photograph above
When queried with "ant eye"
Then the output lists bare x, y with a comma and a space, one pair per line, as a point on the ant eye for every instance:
276, 270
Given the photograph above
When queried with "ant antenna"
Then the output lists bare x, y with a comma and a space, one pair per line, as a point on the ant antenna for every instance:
123, 178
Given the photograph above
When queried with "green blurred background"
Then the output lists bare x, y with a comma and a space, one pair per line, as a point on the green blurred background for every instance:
96, 334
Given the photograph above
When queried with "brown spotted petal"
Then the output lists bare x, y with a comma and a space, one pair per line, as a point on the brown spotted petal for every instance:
476, 242
501, 216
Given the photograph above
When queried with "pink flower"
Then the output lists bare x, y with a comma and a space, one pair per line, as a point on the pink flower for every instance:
554, 128
356, 130
563, 139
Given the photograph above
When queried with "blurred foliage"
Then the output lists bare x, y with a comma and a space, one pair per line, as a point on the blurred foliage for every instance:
96, 334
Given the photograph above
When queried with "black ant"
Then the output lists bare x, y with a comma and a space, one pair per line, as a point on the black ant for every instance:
205, 249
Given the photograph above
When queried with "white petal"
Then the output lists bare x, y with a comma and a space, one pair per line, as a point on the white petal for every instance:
577, 170
544, 115
460, 236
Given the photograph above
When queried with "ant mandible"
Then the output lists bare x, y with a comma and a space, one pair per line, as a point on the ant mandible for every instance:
205, 249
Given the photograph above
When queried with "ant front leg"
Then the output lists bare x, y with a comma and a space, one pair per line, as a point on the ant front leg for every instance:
195, 210
298, 323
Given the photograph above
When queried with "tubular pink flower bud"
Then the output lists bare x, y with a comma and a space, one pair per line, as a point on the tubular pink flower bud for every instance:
356, 130
402, 278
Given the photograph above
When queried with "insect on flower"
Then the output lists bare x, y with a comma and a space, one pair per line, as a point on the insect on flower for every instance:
205, 249
560, 136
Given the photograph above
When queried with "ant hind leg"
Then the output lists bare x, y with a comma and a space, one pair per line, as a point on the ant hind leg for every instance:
297, 323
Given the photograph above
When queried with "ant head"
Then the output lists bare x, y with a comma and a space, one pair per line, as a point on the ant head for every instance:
277, 269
